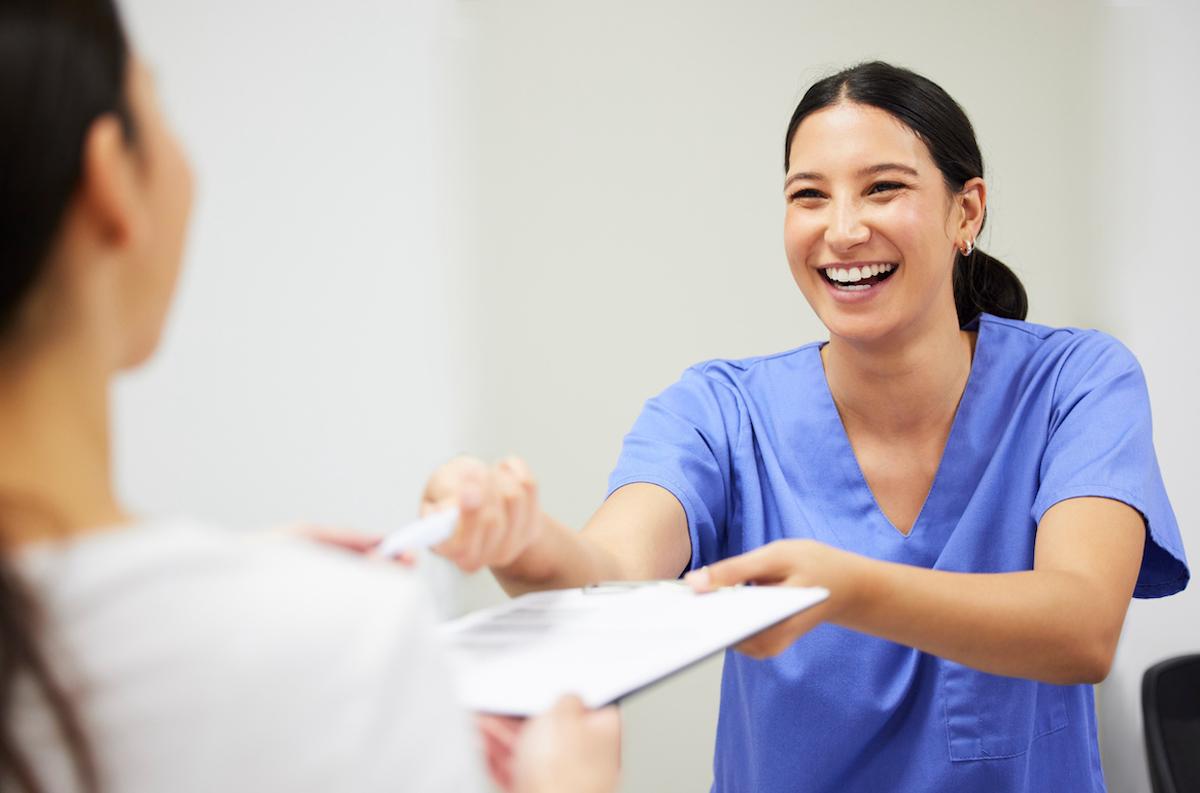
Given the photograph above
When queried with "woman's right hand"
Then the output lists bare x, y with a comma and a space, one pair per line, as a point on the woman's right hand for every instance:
499, 511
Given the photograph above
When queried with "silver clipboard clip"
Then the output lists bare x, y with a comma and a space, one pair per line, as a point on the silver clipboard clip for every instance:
617, 587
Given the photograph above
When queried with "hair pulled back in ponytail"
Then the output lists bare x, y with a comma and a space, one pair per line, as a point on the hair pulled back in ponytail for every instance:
63, 65
982, 283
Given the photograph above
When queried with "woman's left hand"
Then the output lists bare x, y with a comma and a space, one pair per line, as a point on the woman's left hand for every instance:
789, 563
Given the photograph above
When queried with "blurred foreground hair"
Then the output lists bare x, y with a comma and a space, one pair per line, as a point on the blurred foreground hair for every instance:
63, 65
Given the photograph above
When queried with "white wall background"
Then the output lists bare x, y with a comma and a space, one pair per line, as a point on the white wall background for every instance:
1144, 183
500, 225
310, 369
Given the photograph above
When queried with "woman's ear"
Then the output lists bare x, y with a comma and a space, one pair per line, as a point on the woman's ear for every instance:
972, 201
108, 199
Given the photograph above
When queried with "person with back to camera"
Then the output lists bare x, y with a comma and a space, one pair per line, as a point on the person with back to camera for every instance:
979, 494
140, 656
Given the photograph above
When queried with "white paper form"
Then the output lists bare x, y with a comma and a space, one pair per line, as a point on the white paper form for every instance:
602, 643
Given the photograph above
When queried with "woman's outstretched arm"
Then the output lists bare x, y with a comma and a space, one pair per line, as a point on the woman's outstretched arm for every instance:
1058, 623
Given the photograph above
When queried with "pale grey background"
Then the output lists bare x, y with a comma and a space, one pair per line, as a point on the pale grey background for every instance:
1143, 182
308, 369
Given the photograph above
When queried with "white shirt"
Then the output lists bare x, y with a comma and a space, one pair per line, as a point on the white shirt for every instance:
207, 661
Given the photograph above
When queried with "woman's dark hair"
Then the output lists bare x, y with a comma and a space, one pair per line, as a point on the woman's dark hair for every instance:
63, 65
981, 282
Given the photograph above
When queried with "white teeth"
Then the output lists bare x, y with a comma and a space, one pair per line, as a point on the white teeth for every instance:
851, 275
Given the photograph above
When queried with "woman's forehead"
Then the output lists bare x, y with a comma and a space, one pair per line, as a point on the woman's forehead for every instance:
850, 137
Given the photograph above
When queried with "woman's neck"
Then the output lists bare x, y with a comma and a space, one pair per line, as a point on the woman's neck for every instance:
904, 387
55, 467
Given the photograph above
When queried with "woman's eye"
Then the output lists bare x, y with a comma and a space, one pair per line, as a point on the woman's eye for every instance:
804, 193
886, 187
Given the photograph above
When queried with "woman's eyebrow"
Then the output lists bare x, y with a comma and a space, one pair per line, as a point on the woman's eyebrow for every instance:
816, 177
889, 166
868, 171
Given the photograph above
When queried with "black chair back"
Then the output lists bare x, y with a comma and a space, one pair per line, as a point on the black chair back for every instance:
1171, 709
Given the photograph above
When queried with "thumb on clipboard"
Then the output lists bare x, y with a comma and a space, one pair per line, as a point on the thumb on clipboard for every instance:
802, 563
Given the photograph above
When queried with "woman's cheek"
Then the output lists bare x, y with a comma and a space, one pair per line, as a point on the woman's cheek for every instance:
899, 219
800, 236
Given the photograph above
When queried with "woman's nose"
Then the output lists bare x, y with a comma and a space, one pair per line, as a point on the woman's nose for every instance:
845, 229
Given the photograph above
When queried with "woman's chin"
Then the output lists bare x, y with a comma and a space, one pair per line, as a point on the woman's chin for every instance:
869, 327
140, 350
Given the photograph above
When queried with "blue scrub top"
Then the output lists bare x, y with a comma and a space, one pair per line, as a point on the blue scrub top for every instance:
755, 451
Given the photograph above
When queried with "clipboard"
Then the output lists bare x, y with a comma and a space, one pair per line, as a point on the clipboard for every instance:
603, 643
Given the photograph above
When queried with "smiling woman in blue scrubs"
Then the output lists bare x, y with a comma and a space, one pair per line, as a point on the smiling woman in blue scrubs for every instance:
980, 494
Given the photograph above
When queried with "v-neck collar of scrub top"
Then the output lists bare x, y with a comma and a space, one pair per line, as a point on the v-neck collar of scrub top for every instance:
951, 487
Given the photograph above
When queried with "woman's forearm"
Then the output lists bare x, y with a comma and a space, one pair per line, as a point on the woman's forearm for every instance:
1058, 623
560, 557
639, 532
1035, 624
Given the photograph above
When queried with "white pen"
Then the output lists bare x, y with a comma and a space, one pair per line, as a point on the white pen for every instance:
420, 534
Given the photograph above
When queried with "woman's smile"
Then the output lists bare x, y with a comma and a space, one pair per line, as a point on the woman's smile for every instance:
856, 281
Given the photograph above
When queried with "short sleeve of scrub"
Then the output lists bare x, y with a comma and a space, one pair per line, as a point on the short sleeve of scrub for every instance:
683, 441
1100, 444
